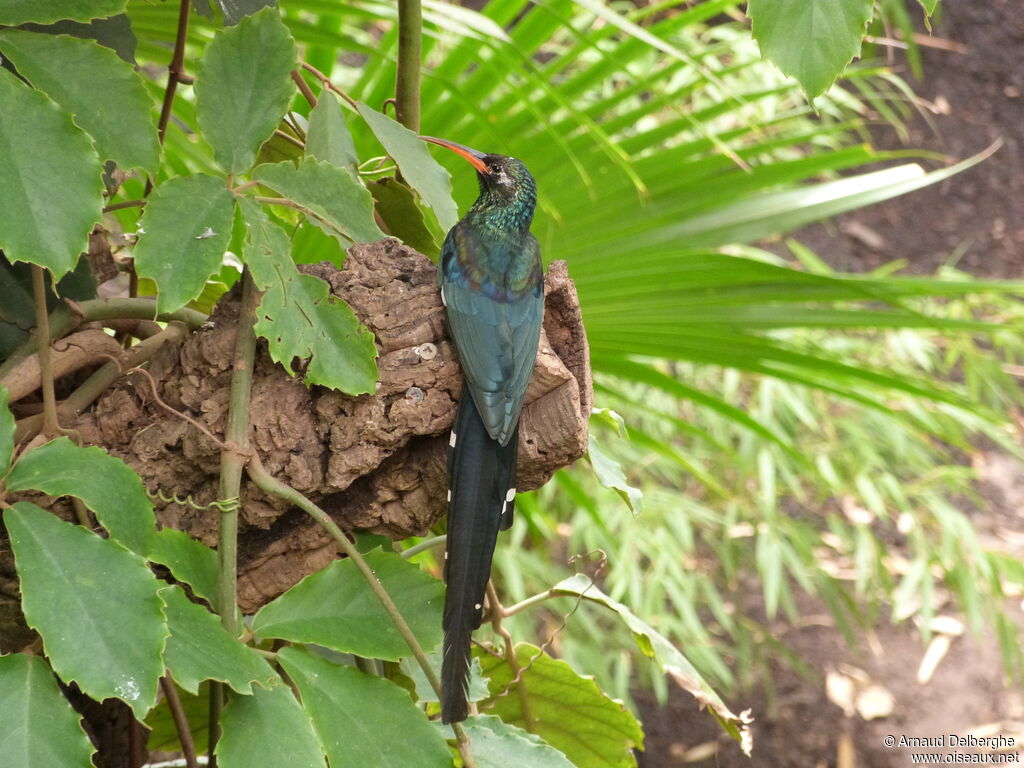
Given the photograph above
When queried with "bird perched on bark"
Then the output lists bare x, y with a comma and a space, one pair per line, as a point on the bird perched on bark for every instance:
492, 285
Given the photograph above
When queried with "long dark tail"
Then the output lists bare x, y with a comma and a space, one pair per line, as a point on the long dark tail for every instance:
481, 475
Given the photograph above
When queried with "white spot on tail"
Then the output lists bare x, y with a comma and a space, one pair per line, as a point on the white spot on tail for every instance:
449, 494
510, 496
451, 440
444, 303
478, 606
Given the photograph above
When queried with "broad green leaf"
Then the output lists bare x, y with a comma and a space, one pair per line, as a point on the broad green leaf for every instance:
298, 317
811, 41
671, 660
6, 433
95, 605
418, 167
186, 227
568, 711
328, 137
190, 561
610, 475
267, 730
403, 218
114, 32
334, 200
244, 86
278, 148
336, 608
39, 728
14, 12
361, 719
50, 177
107, 485
67, 70
199, 648
496, 744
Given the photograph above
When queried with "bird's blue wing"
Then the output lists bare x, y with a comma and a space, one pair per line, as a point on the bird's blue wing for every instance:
495, 307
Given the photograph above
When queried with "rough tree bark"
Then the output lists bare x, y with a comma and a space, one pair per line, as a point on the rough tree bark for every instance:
374, 462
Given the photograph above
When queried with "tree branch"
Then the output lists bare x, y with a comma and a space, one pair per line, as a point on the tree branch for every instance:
51, 425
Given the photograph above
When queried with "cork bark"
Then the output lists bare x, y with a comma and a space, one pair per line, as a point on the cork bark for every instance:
375, 462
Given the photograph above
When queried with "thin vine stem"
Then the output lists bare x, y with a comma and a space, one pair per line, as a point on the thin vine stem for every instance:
175, 70
51, 425
188, 745
423, 546
325, 81
269, 484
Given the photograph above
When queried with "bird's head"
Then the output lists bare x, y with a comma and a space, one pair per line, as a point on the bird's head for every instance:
504, 181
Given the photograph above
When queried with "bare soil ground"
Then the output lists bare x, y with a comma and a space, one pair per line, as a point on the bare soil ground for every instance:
977, 221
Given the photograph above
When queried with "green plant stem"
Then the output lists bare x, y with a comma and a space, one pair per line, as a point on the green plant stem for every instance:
326, 83
498, 613
304, 88
188, 746
423, 546
269, 484
71, 314
51, 425
410, 53
298, 207
512, 610
232, 465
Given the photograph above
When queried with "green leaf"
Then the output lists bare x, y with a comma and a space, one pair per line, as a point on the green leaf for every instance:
811, 41
340, 205
95, 605
267, 730
418, 167
190, 561
199, 648
39, 728
67, 70
186, 227
610, 475
361, 719
403, 218
244, 87
6, 432
50, 177
496, 744
299, 318
328, 137
929, 6
107, 485
568, 711
114, 32
669, 658
14, 12
336, 608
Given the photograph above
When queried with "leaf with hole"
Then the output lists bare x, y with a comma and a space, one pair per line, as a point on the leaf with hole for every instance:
336, 608
39, 728
50, 177
106, 485
244, 86
67, 70
362, 719
94, 603
185, 230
